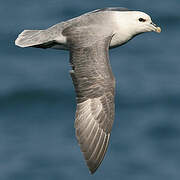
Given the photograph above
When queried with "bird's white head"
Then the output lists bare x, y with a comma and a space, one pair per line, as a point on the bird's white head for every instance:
129, 24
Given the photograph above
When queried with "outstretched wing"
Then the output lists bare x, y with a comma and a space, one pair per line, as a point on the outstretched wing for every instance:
94, 85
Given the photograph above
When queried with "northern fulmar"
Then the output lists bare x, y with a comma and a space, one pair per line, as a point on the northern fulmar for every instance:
88, 39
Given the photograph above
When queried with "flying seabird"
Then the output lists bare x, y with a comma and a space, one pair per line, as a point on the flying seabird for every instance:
88, 39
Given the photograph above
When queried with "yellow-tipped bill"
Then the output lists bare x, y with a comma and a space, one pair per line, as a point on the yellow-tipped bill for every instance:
158, 29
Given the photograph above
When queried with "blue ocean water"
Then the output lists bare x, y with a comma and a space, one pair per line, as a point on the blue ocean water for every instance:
37, 99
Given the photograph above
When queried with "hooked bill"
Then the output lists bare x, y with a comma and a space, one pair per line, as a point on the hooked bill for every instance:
158, 29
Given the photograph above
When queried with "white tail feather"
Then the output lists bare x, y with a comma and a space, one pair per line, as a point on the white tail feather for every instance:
31, 38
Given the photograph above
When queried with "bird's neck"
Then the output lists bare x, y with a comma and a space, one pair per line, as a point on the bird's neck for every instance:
120, 38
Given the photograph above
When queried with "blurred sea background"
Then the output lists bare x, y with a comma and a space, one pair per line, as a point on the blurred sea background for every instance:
37, 99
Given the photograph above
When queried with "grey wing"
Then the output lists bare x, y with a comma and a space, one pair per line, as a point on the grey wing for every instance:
94, 85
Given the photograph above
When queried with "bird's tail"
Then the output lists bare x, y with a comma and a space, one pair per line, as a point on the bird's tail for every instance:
33, 38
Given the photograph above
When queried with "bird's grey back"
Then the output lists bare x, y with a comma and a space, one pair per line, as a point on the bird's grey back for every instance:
89, 19
112, 9
96, 16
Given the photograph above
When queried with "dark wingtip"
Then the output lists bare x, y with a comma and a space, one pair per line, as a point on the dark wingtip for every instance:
92, 171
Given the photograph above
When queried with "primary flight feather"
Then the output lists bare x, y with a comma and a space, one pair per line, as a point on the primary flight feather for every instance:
88, 39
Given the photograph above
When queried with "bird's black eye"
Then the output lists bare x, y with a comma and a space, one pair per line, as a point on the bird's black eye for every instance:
142, 20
